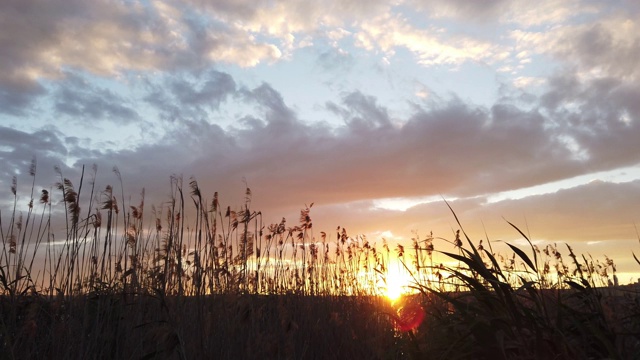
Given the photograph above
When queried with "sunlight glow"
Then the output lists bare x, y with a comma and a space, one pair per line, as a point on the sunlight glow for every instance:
397, 282
394, 292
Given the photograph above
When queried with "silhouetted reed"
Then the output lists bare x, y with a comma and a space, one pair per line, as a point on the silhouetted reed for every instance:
194, 279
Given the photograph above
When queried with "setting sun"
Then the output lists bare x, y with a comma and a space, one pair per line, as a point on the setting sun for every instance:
397, 283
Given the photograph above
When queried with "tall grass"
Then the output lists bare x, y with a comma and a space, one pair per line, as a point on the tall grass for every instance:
124, 281
519, 308
109, 244
191, 278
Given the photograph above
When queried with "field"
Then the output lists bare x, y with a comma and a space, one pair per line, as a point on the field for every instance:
194, 279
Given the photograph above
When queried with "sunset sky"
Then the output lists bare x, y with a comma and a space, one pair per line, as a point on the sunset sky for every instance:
375, 111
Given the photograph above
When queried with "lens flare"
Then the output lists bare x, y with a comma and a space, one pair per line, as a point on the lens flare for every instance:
410, 316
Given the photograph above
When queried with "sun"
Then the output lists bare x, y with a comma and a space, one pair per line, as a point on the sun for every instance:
396, 284
393, 292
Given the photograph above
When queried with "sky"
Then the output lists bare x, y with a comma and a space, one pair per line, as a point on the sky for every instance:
375, 111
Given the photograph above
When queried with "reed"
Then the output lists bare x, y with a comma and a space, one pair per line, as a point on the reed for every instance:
192, 278
518, 309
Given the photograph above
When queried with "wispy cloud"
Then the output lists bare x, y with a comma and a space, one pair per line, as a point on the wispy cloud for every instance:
431, 46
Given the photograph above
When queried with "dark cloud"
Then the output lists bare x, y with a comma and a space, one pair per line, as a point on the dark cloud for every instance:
215, 88
184, 96
47, 146
80, 99
165, 104
452, 149
600, 116
17, 94
364, 113
44, 141
602, 47
278, 115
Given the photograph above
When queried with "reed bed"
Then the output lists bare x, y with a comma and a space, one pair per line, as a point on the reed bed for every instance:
191, 278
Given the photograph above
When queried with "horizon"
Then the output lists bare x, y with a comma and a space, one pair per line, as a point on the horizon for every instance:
376, 112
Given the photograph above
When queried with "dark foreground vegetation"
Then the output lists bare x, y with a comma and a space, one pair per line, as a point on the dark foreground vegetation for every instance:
191, 279
118, 326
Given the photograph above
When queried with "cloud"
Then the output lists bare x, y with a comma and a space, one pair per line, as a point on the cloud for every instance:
19, 148
78, 98
431, 46
587, 212
528, 81
292, 16
186, 96
600, 115
128, 38
606, 47
361, 113
449, 148
108, 38
336, 59
598, 211
452, 148
520, 12
17, 94
547, 12
212, 92
68, 34
287, 23
483, 10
